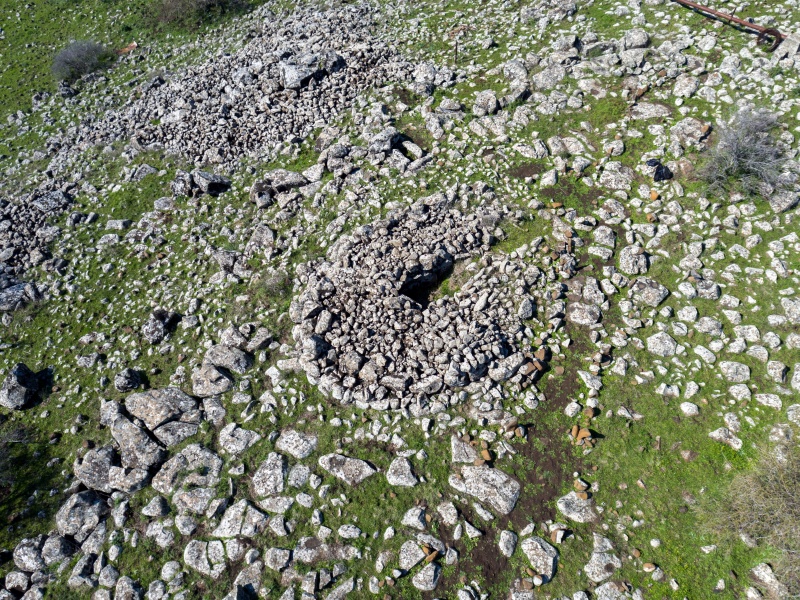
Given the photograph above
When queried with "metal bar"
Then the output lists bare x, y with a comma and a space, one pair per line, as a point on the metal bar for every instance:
721, 15
764, 33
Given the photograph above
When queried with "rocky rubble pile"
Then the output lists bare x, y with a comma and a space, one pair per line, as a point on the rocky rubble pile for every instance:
24, 231
367, 332
296, 74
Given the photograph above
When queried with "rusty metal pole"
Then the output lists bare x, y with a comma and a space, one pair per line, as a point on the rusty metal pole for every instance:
764, 33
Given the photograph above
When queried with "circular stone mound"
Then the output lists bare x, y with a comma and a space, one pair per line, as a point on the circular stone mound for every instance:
368, 331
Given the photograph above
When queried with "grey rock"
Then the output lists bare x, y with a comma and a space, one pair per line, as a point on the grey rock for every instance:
633, 261
583, 314
415, 518
295, 443
277, 559
350, 470
662, 344
157, 507
208, 381
549, 77
17, 581
93, 469
507, 543
28, 554
56, 550
108, 576
542, 556
241, 519
735, 372
410, 555
781, 201
207, 558
126, 380
209, 183
137, 450
427, 578
268, 480
791, 307
490, 486
577, 509
400, 473
723, 435
157, 407
82, 574
636, 38
765, 578
230, 358
602, 562
192, 466
80, 514
485, 103
234, 440
127, 589
20, 387
647, 110
649, 291
461, 451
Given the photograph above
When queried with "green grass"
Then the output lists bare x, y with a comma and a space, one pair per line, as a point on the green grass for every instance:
35, 32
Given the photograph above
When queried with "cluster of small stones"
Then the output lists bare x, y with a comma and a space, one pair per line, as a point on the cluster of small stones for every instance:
361, 337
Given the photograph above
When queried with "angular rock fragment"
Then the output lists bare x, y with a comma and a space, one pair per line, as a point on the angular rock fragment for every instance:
20, 387
602, 562
350, 470
542, 556
490, 486
400, 473
577, 509
80, 514
295, 443
268, 480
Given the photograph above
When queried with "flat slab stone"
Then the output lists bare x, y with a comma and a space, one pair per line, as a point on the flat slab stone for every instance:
297, 444
490, 486
542, 555
350, 470
576, 509
400, 473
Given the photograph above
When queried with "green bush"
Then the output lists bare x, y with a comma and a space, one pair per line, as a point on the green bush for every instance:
80, 58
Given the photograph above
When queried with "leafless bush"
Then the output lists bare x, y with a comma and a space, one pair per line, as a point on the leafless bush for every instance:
762, 504
747, 156
193, 12
80, 58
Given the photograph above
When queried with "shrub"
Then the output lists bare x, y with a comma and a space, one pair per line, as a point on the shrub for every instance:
194, 12
747, 156
80, 58
761, 504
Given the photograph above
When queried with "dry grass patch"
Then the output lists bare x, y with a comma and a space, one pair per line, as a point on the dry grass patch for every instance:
761, 505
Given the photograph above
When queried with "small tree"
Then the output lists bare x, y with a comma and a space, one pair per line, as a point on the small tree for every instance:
747, 156
80, 58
